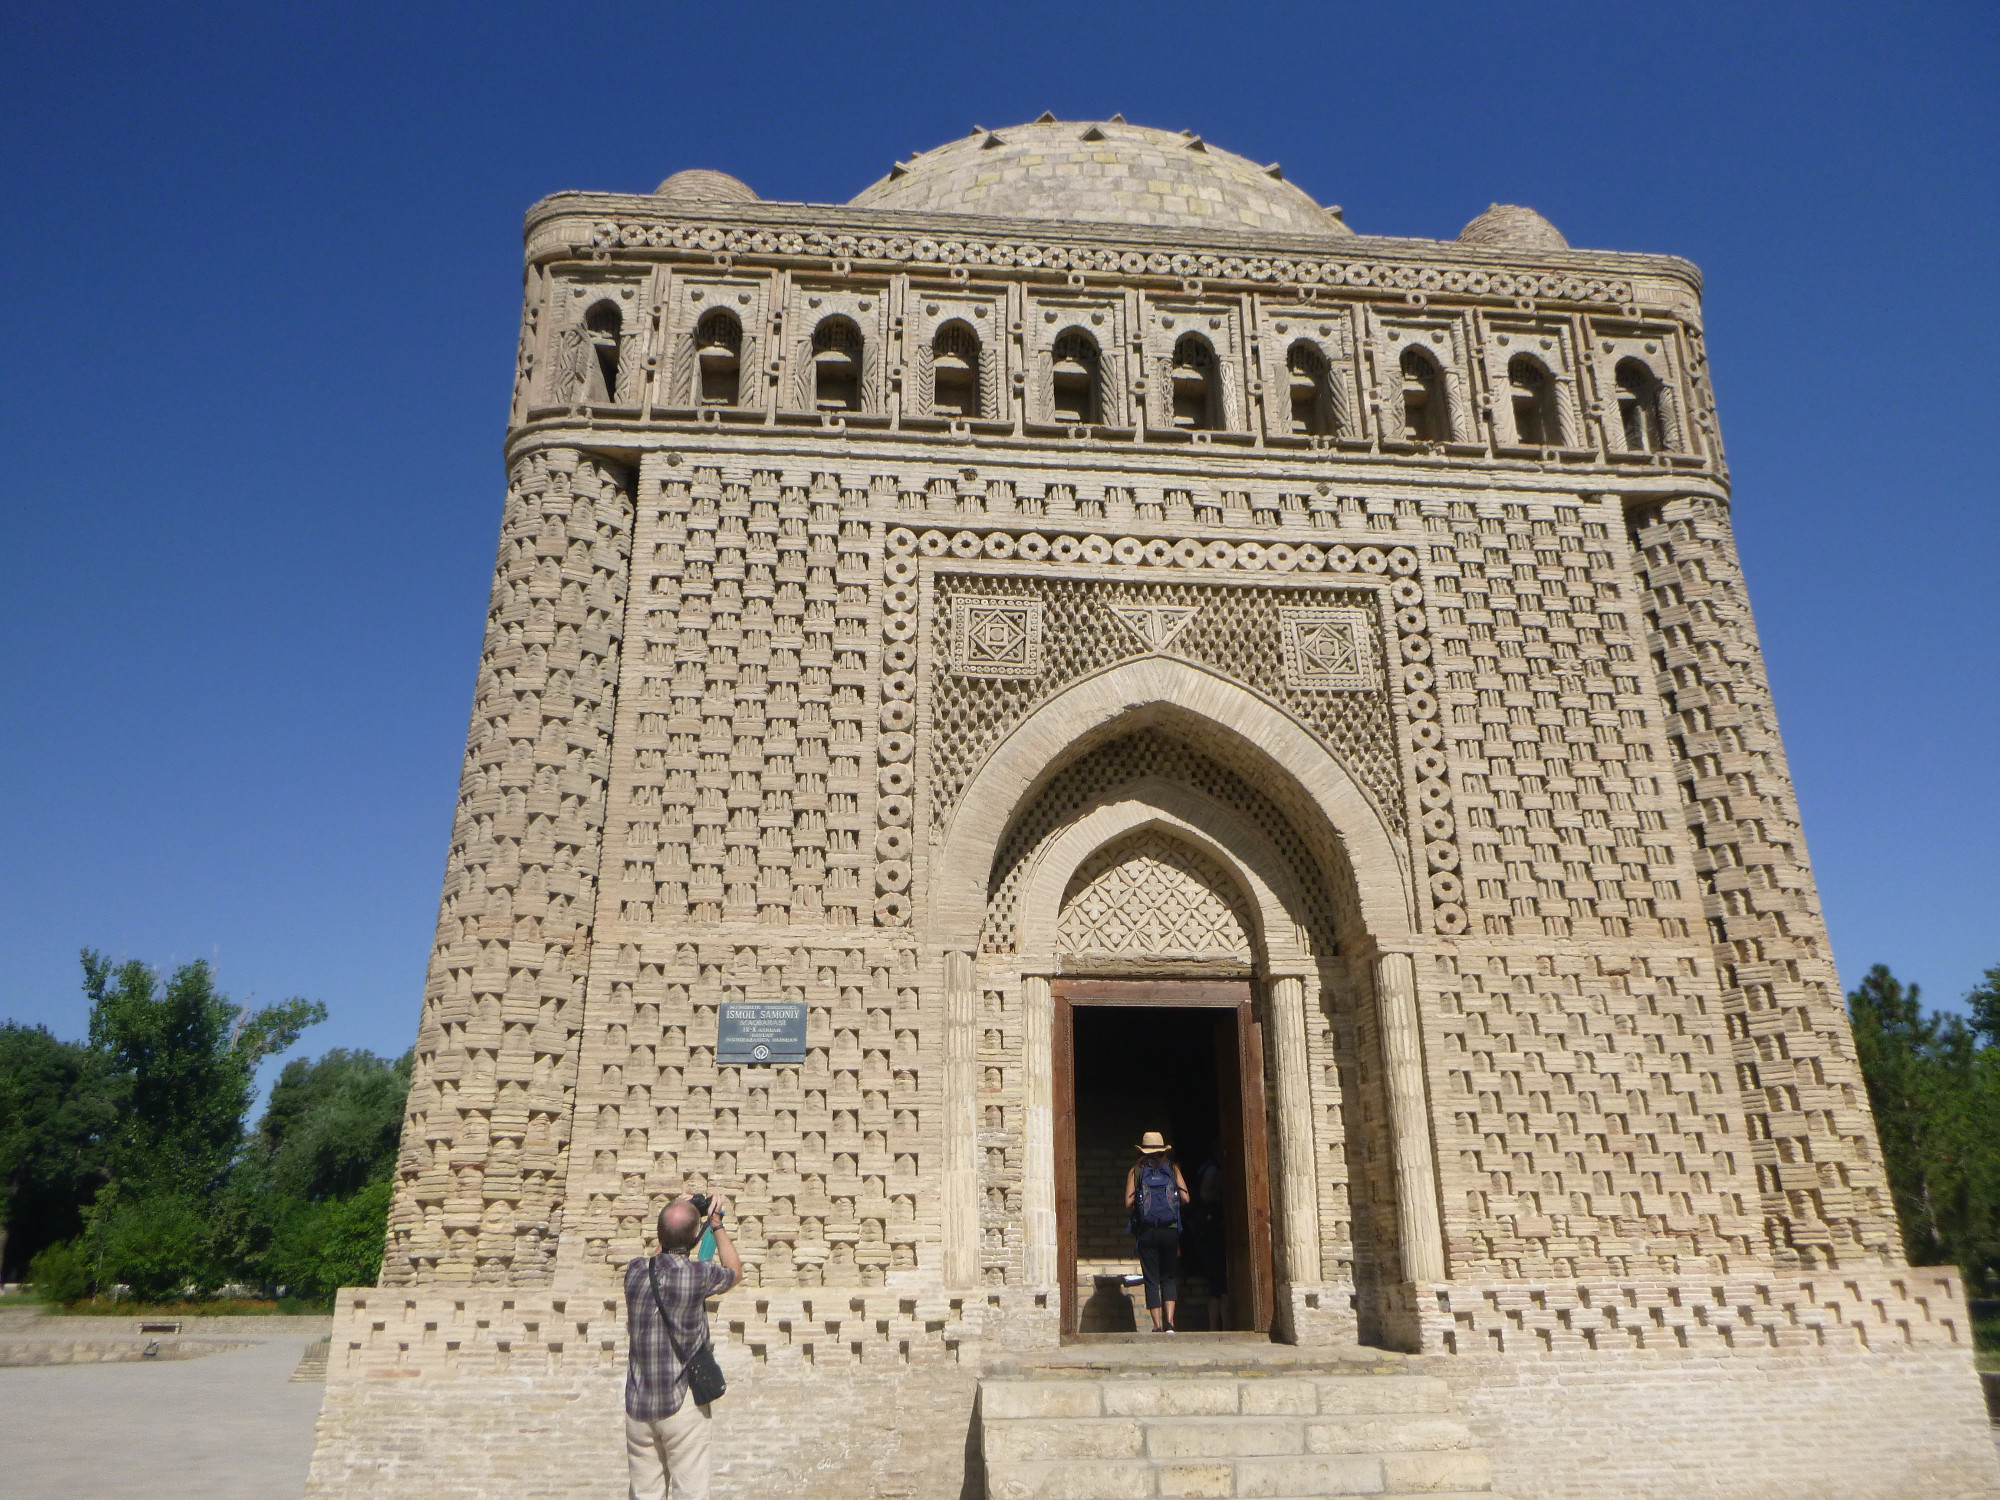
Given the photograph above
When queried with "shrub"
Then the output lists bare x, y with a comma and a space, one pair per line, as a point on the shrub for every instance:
321, 1247
158, 1246
61, 1274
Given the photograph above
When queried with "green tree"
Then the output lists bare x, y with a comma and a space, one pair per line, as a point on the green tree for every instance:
55, 1116
308, 1202
182, 1061
333, 1124
320, 1247
1934, 1085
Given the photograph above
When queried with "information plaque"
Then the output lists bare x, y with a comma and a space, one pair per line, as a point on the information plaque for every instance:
771, 1031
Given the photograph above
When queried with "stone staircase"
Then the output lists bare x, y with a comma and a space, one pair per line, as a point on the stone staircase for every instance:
1217, 1414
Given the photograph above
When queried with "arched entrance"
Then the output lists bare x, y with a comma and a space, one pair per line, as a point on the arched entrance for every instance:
1159, 838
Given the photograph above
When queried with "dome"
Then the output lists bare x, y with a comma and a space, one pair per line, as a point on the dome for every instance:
1099, 172
1510, 226
699, 185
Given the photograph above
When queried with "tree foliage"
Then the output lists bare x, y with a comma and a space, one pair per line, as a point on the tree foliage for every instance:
182, 1062
55, 1116
124, 1160
1934, 1084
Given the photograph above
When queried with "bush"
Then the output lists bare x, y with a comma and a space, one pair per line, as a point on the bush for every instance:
321, 1247
158, 1246
61, 1274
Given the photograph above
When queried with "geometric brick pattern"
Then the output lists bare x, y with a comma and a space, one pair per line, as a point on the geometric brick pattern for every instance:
485, 1145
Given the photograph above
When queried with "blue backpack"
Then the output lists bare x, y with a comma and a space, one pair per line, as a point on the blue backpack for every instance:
1158, 1201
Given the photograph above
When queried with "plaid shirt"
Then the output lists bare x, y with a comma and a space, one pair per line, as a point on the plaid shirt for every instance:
656, 1375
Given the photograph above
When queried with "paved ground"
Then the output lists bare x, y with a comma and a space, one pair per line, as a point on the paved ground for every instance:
226, 1426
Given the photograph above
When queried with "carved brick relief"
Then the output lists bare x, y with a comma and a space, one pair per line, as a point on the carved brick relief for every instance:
1561, 810
824, 1160
1151, 895
1233, 628
895, 250
996, 636
1325, 883
1819, 1179
1329, 650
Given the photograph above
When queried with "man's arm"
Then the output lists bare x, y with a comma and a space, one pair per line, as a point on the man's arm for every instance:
725, 1248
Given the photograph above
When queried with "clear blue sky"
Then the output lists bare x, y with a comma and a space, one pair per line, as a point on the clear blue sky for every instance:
262, 286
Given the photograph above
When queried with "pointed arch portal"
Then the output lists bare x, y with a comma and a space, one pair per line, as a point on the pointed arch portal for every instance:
1214, 904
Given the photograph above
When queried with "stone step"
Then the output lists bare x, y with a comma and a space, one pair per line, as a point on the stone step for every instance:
1229, 1419
1252, 1478
1215, 1395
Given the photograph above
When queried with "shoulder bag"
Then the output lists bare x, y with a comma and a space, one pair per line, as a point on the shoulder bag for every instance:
705, 1382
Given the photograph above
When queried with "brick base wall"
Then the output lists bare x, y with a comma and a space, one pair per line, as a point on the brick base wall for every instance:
871, 1394
1674, 1426
482, 1393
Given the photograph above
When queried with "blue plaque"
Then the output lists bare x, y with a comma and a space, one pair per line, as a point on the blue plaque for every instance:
761, 1031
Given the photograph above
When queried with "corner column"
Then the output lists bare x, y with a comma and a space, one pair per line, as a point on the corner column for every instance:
1038, 1128
1298, 1188
960, 1227
1410, 1118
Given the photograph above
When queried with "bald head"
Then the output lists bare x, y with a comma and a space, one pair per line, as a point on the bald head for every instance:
680, 1225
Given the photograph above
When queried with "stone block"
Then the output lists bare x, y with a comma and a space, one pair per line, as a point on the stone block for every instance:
1170, 1398
1359, 1395
1278, 1398
1225, 1437
1002, 1400
1419, 1473
1275, 1478
1387, 1434
1050, 1438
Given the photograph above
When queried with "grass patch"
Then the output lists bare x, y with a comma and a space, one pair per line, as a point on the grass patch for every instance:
214, 1307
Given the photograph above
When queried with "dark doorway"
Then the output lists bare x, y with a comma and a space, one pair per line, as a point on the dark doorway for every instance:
1133, 1056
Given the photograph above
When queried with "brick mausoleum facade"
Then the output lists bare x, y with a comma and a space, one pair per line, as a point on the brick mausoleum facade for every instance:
1122, 650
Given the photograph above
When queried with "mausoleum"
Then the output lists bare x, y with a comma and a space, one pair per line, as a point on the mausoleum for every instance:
1078, 640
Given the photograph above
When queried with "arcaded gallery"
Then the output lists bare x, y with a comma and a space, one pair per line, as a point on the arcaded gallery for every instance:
1078, 642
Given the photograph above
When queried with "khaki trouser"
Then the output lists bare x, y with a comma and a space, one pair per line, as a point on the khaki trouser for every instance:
676, 1446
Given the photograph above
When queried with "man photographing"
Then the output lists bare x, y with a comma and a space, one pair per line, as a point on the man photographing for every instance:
666, 1322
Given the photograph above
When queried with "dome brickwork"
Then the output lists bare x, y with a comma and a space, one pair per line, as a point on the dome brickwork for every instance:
1099, 172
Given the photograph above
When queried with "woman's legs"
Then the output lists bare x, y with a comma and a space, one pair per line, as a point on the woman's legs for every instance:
1159, 1261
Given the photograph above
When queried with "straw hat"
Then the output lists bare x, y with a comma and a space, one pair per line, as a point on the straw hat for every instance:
1152, 1143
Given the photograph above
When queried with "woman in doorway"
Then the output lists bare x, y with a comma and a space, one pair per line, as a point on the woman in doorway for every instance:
1154, 1193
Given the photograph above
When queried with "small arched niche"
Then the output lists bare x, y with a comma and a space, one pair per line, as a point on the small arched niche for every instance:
718, 343
836, 360
1197, 400
1311, 389
1639, 407
603, 327
1531, 389
1426, 416
955, 371
1073, 377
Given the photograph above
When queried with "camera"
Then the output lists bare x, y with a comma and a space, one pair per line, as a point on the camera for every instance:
701, 1202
